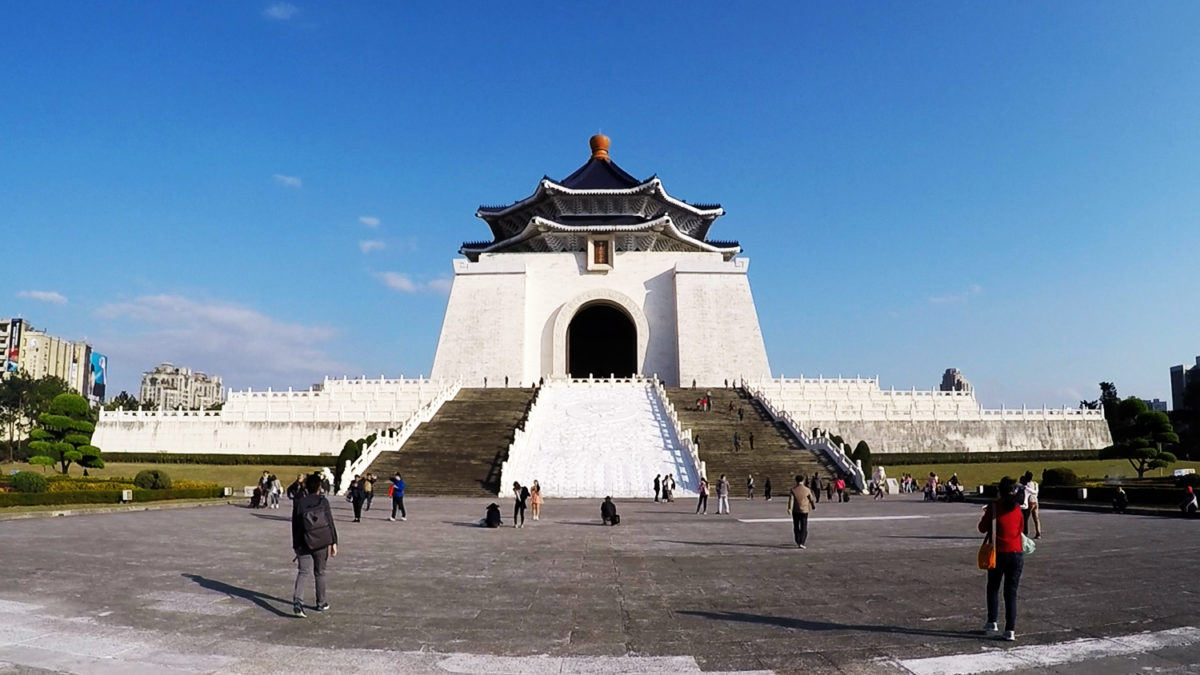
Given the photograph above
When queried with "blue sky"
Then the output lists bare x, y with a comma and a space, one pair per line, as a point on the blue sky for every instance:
274, 191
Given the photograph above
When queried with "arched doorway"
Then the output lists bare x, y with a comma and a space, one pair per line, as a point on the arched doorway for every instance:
601, 340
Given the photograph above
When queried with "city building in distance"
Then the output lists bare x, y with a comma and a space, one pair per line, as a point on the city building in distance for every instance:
1180, 377
39, 354
172, 387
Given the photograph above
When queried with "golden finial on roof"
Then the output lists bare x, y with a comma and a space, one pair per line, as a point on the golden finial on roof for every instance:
599, 144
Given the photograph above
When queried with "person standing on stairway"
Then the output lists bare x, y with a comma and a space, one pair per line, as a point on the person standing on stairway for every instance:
398, 497
702, 499
750, 437
737, 442
657, 486
741, 414
722, 496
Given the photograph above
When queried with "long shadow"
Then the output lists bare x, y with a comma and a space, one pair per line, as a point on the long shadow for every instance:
928, 536
270, 517
474, 524
261, 599
801, 624
725, 543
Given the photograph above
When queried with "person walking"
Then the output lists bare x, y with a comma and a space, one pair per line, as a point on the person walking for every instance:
749, 487
671, 487
1003, 518
535, 500
767, 489
741, 414
520, 495
800, 504
297, 490
314, 541
737, 442
722, 496
816, 486
368, 487
750, 438
357, 497
829, 489
1031, 499
657, 486
840, 485
398, 497
702, 498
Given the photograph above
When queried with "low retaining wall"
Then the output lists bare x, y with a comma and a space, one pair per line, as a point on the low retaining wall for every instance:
975, 436
212, 436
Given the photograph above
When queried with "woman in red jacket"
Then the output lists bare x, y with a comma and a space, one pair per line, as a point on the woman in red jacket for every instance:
1010, 559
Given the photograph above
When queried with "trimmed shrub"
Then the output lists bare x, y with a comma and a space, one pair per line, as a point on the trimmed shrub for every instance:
152, 479
1191, 480
28, 481
102, 496
193, 485
87, 486
1059, 476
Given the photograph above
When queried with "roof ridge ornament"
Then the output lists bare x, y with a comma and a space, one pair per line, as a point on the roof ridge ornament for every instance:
599, 144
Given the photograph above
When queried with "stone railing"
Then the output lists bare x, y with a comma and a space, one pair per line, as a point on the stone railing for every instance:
393, 439
684, 435
836, 454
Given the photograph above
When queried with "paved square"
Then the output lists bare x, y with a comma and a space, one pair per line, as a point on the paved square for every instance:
883, 587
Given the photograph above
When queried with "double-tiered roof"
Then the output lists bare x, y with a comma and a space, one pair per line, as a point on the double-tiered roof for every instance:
600, 198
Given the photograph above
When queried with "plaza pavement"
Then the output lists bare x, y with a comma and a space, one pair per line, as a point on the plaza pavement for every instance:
884, 587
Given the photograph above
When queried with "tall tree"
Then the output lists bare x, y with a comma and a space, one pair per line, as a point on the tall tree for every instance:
1109, 400
22, 399
1139, 435
64, 433
122, 401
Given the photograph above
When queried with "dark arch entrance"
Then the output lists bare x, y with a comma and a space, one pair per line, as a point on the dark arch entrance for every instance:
601, 340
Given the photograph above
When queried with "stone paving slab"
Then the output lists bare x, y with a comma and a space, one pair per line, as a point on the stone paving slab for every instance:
881, 584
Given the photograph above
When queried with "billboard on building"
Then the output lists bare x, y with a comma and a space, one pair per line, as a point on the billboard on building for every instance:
12, 351
98, 371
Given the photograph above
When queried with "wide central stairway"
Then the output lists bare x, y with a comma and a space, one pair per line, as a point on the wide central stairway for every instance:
597, 439
776, 455
459, 452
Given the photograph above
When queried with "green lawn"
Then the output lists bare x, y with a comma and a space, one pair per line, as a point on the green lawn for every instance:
232, 476
976, 474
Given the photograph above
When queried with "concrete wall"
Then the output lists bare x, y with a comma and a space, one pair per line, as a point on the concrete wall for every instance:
498, 326
974, 436
215, 436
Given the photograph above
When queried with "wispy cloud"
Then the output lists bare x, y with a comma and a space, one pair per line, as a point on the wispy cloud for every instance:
44, 296
246, 347
369, 221
371, 245
960, 297
288, 181
398, 281
280, 11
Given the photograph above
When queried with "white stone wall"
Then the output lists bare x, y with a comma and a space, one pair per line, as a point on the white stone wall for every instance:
508, 314
311, 422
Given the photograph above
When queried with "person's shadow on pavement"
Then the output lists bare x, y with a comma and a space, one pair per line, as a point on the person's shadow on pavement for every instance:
261, 599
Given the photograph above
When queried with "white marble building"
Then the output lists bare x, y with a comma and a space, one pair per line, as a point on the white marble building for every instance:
601, 274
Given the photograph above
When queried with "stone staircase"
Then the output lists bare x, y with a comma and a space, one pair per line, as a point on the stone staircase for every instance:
776, 454
460, 450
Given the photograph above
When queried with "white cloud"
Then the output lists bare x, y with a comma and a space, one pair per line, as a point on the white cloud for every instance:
960, 297
369, 221
280, 11
288, 181
244, 346
44, 296
371, 245
398, 281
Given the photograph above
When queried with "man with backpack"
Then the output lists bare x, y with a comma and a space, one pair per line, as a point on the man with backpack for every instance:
314, 540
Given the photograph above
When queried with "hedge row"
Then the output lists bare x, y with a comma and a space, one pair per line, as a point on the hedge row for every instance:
909, 458
223, 460
1138, 496
104, 496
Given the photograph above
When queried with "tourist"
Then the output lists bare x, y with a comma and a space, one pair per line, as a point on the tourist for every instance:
750, 438
1031, 497
264, 489
749, 487
491, 516
1188, 505
954, 489
840, 485
1120, 501
666, 487
737, 442
815, 485
828, 490
722, 496
741, 414
608, 512
702, 497
296, 490
357, 496
1004, 515
520, 497
326, 479
767, 489
657, 486
671, 488
276, 491
398, 497
931, 484
800, 504
314, 540
535, 499
878, 482
369, 490
731, 407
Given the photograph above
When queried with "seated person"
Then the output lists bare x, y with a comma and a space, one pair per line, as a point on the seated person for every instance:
1120, 501
491, 517
608, 512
